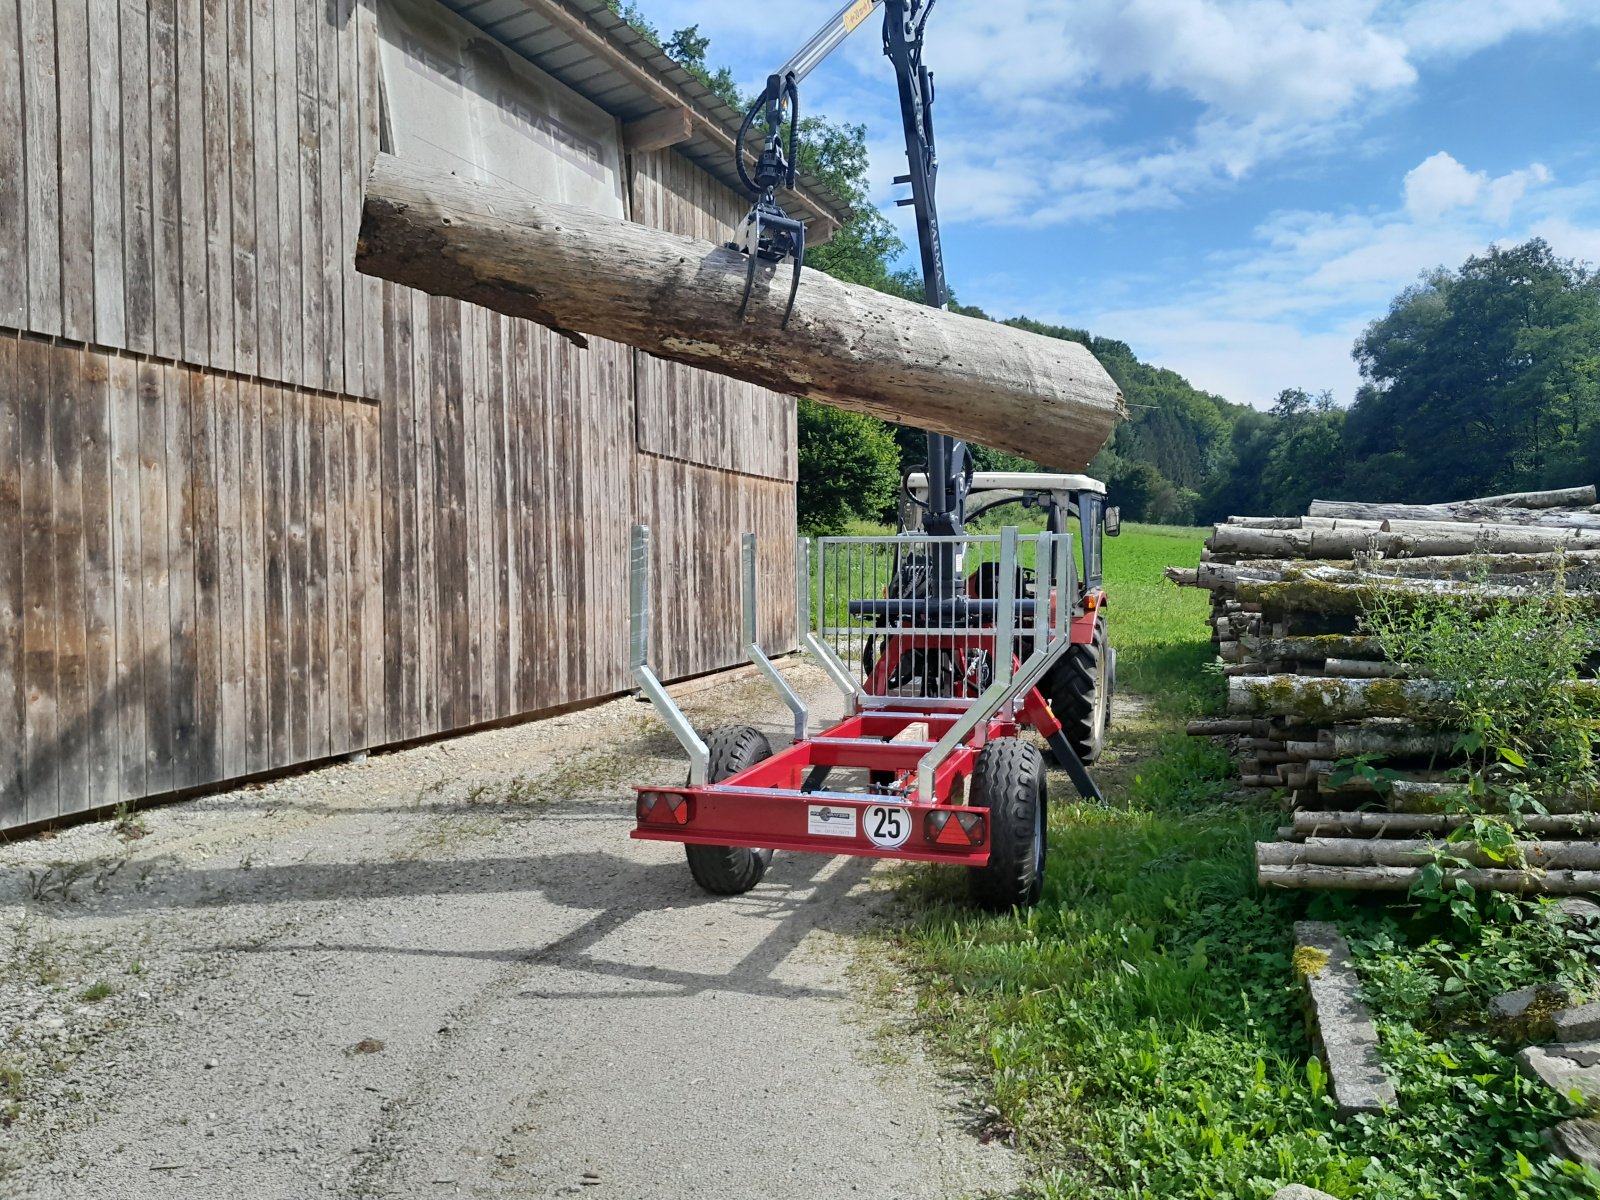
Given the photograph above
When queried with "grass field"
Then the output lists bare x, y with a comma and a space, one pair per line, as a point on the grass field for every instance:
1141, 1030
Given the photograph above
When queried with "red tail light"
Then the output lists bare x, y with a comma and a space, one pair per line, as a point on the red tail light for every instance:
945, 828
663, 808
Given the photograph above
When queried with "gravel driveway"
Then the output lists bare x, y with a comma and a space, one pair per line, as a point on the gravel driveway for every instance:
447, 971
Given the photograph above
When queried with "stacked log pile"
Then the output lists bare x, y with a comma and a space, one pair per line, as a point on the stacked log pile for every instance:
1309, 688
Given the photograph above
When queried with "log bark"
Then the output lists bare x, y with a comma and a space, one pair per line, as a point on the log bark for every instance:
1412, 538
1307, 824
1340, 701
1576, 497
1466, 511
582, 272
1409, 852
1401, 879
1349, 741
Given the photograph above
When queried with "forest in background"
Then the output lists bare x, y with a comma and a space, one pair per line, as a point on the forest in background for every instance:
1479, 379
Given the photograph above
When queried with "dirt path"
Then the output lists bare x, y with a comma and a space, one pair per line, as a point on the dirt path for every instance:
449, 972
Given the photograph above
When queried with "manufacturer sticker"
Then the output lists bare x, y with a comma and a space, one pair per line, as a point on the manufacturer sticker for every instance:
886, 825
830, 821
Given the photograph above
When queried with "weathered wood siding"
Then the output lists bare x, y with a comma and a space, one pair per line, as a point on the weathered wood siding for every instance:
257, 509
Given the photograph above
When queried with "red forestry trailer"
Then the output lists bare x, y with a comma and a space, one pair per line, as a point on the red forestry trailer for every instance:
931, 761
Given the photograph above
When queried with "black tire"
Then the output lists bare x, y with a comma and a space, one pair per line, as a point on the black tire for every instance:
1008, 779
730, 870
1079, 692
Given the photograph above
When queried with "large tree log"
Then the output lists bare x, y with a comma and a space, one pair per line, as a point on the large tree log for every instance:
1338, 701
1401, 879
1466, 511
1376, 824
1408, 852
1349, 538
677, 298
1575, 497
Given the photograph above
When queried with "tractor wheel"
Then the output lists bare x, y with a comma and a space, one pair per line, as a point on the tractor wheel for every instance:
730, 870
1079, 692
1008, 779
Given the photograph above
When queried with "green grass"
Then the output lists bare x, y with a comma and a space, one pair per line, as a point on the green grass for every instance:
1141, 1029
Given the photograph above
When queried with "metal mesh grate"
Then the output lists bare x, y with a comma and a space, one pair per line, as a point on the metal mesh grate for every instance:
942, 600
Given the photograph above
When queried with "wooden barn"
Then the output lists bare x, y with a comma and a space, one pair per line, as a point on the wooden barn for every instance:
258, 510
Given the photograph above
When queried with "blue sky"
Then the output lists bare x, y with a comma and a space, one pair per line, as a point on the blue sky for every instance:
1233, 187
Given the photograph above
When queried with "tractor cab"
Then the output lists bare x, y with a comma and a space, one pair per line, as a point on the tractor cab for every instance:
1060, 498
1080, 687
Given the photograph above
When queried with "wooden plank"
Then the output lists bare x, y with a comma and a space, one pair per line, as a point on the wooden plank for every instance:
127, 556
275, 582
290, 267
254, 579
466, 400
335, 488
34, 455
217, 103
76, 187
166, 196
452, 550
662, 128
332, 260
498, 499
518, 400
355, 616
399, 583
13, 205
138, 227
41, 152
72, 682
351, 170
371, 551
312, 273
242, 151
181, 535
105, 154
297, 571
264, 138
13, 693
206, 756
232, 633
193, 269
427, 500
316, 585
367, 111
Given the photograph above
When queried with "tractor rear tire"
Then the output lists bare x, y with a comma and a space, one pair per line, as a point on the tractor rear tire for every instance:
1008, 779
1079, 692
730, 870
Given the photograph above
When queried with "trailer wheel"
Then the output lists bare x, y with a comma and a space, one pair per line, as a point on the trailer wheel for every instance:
1079, 691
730, 870
1008, 779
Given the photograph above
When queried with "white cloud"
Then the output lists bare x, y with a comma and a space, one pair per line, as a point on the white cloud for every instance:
1286, 313
1439, 184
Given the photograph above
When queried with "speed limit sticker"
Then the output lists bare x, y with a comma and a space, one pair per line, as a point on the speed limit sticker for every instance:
887, 825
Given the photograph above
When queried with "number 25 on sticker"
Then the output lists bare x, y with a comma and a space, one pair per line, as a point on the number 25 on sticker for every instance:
887, 825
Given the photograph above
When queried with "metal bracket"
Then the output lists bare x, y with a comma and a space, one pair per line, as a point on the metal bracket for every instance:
752, 638
639, 629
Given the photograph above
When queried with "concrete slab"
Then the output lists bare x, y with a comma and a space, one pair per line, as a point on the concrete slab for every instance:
1581, 1023
1564, 1067
1341, 1027
1299, 1191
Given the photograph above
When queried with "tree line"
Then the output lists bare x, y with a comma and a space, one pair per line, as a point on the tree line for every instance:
1479, 379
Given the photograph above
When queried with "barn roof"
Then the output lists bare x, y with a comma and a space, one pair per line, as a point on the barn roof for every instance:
596, 53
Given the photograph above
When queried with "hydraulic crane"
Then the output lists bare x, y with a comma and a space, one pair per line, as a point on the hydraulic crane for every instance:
768, 233
964, 640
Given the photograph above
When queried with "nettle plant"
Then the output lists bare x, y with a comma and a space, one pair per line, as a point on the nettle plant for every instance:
1511, 667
